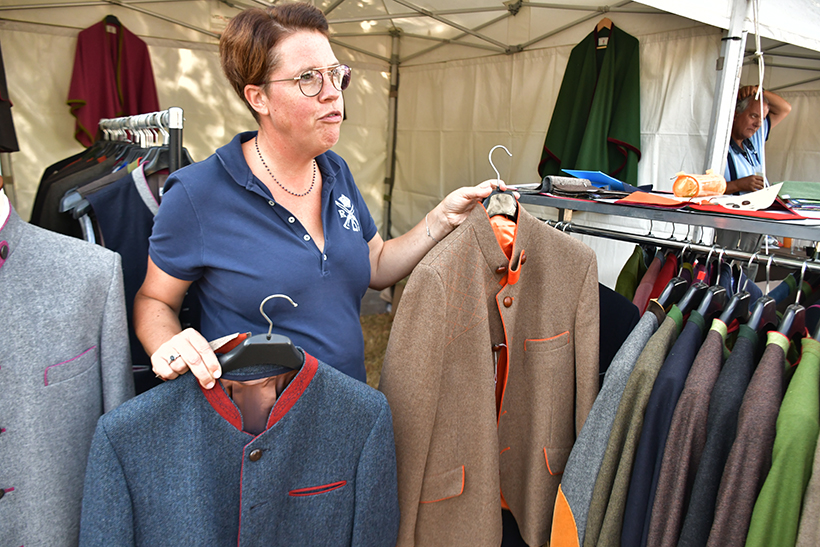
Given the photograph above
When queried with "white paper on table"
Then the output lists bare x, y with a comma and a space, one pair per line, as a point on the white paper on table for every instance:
753, 201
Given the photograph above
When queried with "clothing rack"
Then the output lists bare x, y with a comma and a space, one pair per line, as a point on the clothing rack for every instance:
135, 129
760, 258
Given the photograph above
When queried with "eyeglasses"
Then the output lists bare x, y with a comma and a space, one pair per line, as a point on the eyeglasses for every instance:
311, 81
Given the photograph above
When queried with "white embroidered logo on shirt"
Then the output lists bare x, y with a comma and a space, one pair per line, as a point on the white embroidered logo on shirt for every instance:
347, 213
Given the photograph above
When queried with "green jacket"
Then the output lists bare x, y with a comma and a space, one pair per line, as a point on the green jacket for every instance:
596, 123
776, 514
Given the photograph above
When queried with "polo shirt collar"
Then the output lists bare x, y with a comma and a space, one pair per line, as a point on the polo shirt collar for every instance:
233, 160
747, 145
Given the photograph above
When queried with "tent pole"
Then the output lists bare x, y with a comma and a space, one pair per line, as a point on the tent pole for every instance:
392, 111
723, 107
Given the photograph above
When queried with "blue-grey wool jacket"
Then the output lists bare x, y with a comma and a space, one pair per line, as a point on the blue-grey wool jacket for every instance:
173, 467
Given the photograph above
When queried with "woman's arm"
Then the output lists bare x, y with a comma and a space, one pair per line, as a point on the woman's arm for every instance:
156, 322
393, 260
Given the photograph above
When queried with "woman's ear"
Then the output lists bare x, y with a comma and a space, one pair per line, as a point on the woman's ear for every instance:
257, 98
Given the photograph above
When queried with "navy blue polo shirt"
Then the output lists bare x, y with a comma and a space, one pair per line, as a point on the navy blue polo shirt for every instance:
219, 226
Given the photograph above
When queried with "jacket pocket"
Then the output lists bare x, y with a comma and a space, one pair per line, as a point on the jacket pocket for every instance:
556, 459
65, 370
443, 486
316, 490
540, 345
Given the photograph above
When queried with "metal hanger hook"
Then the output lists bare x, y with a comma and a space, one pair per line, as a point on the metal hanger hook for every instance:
490, 157
720, 264
686, 246
262, 309
800, 285
749, 265
768, 272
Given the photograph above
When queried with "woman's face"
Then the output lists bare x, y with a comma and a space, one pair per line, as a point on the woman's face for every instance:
310, 123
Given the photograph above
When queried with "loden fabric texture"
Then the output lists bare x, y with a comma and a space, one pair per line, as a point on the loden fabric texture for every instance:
64, 360
721, 428
776, 515
647, 283
658, 416
809, 531
578, 482
685, 441
596, 122
112, 77
631, 274
459, 448
751, 455
322, 473
611, 486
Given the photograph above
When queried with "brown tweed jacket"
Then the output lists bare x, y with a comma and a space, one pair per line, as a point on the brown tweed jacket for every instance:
454, 452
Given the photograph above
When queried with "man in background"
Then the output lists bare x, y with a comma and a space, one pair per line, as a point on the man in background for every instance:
744, 172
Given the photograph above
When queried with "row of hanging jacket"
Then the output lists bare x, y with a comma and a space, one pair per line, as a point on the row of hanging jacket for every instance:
109, 194
691, 440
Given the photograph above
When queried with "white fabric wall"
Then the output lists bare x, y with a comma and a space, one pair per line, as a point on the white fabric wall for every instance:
452, 114
187, 75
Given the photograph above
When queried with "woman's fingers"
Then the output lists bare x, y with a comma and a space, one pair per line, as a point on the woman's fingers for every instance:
186, 351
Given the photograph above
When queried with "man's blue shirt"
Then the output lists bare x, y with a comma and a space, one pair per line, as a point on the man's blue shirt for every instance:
747, 161
219, 226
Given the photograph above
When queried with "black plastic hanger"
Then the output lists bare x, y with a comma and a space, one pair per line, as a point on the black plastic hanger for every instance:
112, 20
693, 296
793, 322
713, 302
264, 349
673, 292
763, 313
736, 308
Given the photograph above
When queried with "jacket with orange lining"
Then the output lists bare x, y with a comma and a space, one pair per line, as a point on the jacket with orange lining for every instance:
455, 449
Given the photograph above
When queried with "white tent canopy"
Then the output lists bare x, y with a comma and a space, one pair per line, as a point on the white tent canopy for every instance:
466, 75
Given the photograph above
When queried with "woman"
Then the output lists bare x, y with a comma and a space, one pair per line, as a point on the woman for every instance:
276, 212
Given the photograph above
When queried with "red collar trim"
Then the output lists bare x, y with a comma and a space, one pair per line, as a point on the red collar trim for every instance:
226, 408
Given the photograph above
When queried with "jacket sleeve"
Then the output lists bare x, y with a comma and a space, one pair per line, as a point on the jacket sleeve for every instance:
411, 379
115, 355
107, 519
376, 521
587, 342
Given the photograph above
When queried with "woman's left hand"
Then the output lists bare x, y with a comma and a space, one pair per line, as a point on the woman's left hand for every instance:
458, 204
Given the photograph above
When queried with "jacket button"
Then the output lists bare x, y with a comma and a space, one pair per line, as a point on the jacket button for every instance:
523, 257
255, 455
508, 301
501, 269
2, 493
4, 251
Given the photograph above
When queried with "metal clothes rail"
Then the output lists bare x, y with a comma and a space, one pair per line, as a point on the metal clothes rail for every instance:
169, 122
809, 230
760, 258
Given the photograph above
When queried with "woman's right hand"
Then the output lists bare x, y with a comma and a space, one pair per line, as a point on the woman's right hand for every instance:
186, 351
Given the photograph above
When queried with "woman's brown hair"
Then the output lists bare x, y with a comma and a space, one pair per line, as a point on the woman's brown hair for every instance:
247, 48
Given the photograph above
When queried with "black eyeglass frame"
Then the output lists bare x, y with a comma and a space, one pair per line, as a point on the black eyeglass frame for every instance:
343, 84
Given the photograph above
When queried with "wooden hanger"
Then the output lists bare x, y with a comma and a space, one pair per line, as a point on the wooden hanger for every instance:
603, 41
